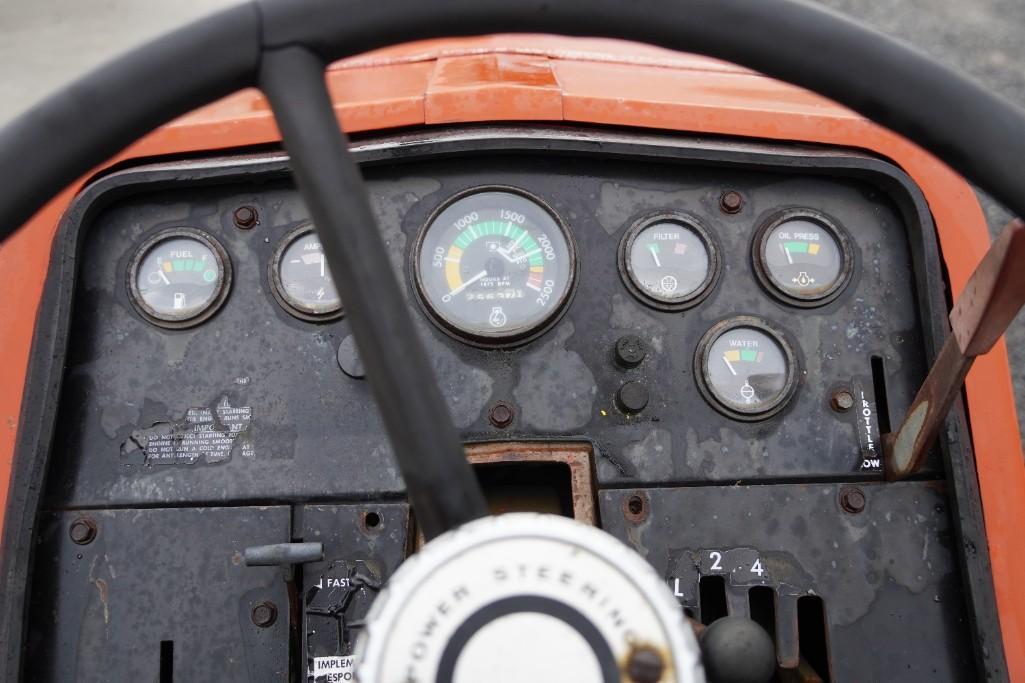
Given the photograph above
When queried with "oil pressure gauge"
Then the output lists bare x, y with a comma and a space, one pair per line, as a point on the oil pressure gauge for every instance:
746, 368
494, 266
802, 257
179, 278
300, 280
668, 261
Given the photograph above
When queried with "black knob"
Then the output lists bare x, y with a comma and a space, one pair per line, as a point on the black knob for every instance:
349, 360
632, 397
737, 650
630, 351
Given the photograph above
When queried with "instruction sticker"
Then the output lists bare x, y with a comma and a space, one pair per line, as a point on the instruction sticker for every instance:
333, 669
867, 423
211, 434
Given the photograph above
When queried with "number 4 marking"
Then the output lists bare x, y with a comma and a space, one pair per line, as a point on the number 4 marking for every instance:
757, 567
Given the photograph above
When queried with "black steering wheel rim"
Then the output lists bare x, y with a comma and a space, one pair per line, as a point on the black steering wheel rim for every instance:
282, 46
977, 133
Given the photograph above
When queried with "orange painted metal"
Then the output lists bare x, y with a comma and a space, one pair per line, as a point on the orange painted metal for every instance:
610, 83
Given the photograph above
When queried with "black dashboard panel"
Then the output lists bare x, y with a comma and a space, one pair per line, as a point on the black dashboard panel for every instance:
257, 421
251, 404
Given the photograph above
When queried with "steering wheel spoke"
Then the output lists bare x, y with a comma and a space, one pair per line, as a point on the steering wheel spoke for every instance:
440, 482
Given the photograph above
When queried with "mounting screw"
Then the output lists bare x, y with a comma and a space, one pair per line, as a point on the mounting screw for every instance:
852, 499
630, 351
264, 614
842, 400
82, 531
501, 415
635, 507
645, 665
632, 397
730, 201
245, 217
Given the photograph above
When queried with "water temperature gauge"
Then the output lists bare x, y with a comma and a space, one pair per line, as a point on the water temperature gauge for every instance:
300, 280
668, 261
803, 258
179, 278
746, 368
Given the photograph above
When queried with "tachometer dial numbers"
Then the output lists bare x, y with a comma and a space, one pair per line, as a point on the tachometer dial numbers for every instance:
668, 261
179, 278
746, 368
300, 278
494, 266
802, 257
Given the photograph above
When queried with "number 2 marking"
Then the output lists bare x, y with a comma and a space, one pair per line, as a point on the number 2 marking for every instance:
715, 556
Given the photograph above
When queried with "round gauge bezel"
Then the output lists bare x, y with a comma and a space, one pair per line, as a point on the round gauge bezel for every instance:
559, 307
684, 220
223, 283
277, 288
705, 384
831, 226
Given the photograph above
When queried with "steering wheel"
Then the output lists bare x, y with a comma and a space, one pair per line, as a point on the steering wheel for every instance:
283, 47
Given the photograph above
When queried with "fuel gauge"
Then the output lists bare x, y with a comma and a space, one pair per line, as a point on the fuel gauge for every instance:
803, 258
300, 279
179, 278
668, 261
745, 368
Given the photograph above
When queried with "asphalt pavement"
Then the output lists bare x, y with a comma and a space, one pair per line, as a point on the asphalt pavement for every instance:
47, 43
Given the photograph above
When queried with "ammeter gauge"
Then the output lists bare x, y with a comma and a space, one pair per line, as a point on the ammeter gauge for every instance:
494, 266
746, 368
802, 257
668, 261
179, 277
300, 279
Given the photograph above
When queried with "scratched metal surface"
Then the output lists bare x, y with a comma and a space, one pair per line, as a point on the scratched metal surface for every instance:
887, 576
101, 611
44, 45
314, 432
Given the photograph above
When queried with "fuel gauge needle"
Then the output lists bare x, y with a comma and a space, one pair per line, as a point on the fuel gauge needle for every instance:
163, 277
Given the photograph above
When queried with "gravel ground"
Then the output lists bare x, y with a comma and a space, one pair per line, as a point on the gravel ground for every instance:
46, 43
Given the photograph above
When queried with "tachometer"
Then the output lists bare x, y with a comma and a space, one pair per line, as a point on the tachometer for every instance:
179, 277
494, 265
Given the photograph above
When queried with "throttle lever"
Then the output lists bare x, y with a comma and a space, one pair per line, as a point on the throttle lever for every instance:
992, 297
285, 555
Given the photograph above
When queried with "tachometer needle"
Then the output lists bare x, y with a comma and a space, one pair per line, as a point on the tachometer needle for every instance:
467, 283
512, 245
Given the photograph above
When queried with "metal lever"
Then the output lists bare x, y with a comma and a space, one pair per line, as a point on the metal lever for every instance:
285, 555
993, 296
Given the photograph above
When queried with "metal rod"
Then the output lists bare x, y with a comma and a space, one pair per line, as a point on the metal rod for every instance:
440, 482
992, 297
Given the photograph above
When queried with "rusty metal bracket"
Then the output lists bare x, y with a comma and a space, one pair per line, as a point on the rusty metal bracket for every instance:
993, 296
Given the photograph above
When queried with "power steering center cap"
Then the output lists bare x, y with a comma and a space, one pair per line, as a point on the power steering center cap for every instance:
526, 597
